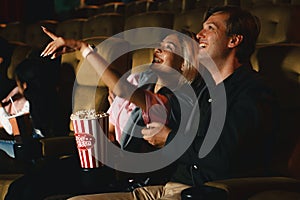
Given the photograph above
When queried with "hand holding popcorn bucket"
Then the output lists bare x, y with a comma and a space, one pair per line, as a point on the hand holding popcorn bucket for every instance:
90, 130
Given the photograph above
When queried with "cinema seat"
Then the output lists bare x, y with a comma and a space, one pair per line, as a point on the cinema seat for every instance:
13, 31
190, 20
34, 35
71, 28
177, 6
105, 24
278, 23
140, 6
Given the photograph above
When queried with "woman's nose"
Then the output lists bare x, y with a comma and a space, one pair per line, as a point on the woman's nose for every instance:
158, 50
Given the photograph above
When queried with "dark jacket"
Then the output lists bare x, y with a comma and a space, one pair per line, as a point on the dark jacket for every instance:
244, 145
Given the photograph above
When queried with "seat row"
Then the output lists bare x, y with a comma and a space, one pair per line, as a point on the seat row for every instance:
279, 24
176, 6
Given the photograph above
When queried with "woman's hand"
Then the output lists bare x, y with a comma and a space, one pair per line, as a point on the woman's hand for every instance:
156, 134
60, 45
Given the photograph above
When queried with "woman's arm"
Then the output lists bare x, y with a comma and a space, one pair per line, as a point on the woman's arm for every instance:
121, 87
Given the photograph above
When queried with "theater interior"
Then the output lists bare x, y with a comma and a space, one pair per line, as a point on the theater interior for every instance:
277, 57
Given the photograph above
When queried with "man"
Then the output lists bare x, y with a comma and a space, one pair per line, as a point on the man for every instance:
228, 37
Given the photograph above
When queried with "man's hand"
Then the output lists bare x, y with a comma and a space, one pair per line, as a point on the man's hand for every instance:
12, 93
156, 134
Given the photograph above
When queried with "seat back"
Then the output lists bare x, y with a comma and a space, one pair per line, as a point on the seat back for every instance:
13, 31
190, 20
105, 24
278, 23
85, 11
20, 52
71, 28
140, 6
177, 6
89, 91
279, 64
113, 7
34, 34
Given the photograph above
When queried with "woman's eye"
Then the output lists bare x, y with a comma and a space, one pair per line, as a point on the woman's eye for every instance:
169, 48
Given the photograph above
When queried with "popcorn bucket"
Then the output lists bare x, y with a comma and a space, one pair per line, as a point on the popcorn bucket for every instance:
90, 131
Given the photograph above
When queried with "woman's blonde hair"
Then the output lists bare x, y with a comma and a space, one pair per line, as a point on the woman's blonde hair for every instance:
189, 48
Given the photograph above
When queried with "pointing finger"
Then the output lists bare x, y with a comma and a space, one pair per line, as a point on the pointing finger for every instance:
50, 34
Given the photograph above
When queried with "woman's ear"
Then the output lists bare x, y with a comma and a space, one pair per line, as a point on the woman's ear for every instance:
24, 85
182, 68
235, 40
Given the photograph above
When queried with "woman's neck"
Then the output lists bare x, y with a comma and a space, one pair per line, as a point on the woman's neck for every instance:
169, 82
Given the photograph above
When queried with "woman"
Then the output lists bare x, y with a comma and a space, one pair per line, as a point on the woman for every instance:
156, 102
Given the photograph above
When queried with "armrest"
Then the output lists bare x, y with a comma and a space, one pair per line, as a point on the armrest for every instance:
243, 188
203, 192
58, 146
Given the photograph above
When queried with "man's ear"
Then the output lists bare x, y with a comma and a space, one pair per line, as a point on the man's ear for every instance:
1, 60
235, 40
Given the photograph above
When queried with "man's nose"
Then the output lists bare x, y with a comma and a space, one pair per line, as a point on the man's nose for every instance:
200, 35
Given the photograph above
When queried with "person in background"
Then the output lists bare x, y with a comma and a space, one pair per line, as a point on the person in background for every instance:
228, 38
35, 79
5, 58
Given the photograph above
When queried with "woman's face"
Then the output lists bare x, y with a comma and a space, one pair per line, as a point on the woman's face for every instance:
167, 57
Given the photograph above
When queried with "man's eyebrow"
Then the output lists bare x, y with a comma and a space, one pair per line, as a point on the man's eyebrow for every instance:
210, 23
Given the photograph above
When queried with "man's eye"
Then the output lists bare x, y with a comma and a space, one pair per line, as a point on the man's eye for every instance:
210, 28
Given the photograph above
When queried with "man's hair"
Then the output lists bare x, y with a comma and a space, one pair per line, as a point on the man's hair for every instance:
240, 22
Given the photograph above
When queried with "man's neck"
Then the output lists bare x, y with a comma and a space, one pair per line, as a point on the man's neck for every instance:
225, 69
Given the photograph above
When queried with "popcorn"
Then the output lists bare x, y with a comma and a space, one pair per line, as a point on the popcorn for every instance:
88, 114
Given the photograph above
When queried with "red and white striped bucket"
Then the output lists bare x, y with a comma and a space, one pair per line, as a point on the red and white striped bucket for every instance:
88, 139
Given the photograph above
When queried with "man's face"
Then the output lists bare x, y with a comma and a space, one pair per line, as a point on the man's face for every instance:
213, 40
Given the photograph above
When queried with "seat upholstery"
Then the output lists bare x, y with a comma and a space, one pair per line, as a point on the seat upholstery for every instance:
5, 181
105, 24
111, 7
13, 31
140, 6
71, 28
85, 11
34, 35
190, 20
253, 3
278, 23
177, 6
20, 52
90, 91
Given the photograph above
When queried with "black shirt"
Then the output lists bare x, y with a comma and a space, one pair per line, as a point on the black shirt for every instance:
244, 145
